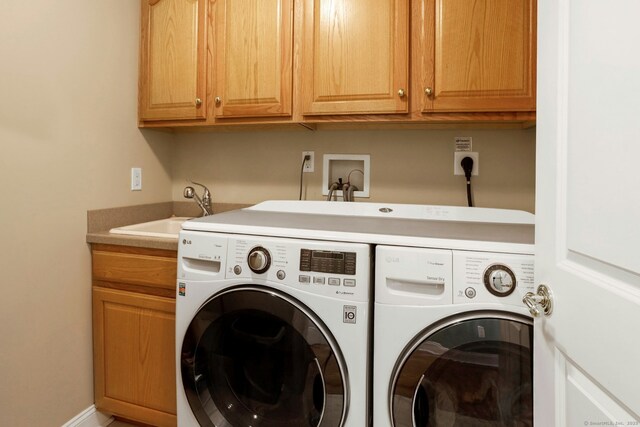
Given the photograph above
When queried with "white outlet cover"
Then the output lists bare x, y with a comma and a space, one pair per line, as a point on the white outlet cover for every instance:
309, 166
457, 158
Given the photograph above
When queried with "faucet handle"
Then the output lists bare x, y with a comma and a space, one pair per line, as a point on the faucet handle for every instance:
189, 192
206, 195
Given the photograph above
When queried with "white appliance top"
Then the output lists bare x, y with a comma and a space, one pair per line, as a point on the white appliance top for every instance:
484, 229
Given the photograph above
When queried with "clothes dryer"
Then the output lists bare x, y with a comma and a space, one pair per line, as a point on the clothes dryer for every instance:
452, 340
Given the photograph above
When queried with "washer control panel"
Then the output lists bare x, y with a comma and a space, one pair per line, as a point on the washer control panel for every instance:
330, 268
335, 269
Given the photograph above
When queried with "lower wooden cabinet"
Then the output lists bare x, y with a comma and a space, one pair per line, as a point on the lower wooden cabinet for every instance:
134, 333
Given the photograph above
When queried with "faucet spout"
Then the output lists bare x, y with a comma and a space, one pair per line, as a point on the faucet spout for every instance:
204, 203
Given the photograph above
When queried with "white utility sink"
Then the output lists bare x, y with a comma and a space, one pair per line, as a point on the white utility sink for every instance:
168, 228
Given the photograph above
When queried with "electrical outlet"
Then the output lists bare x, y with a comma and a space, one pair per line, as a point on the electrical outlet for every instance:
308, 164
136, 179
457, 158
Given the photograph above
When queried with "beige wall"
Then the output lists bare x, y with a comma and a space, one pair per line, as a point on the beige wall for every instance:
68, 138
407, 166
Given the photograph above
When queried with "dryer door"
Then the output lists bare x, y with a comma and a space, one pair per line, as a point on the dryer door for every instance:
467, 372
256, 357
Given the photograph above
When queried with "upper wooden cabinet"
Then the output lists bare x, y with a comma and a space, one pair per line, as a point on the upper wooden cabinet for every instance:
355, 56
173, 60
312, 62
475, 55
253, 61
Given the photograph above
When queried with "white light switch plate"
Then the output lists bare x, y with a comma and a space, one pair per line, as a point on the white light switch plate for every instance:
136, 179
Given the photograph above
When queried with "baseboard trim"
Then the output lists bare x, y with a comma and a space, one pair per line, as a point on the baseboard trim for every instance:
90, 417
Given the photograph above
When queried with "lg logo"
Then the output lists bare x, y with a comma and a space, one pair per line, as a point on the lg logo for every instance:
186, 242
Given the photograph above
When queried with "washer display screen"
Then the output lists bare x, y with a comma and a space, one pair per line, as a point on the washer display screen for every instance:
328, 262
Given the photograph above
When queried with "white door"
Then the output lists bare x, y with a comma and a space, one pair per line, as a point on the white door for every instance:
587, 352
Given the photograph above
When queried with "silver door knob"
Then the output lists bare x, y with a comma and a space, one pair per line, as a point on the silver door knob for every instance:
540, 302
218, 100
428, 91
401, 93
198, 102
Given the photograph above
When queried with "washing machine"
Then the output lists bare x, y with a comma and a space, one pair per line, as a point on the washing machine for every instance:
453, 343
272, 331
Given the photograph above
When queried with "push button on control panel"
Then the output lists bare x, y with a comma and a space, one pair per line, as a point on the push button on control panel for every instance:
349, 282
281, 274
334, 281
470, 292
304, 279
318, 280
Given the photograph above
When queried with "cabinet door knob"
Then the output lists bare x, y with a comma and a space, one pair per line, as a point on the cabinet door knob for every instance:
401, 93
218, 100
428, 91
198, 102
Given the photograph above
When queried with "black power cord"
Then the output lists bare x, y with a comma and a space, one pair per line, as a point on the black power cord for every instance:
306, 158
467, 167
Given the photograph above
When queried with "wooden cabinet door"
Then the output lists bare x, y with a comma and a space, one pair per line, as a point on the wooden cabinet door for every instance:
134, 355
172, 60
355, 56
253, 61
477, 55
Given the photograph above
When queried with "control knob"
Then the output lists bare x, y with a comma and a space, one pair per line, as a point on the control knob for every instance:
259, 259
500, 280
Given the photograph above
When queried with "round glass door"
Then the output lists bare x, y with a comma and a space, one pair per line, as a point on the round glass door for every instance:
259, 358
471, 372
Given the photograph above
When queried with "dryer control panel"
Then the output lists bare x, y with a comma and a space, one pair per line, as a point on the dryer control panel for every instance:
485, 277
431, 277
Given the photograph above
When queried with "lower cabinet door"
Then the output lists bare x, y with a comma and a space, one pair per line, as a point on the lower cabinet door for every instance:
134, 348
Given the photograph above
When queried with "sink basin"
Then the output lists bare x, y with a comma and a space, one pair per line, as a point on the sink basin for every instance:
168, 228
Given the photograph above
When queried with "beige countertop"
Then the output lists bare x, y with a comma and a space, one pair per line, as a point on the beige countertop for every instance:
100, 221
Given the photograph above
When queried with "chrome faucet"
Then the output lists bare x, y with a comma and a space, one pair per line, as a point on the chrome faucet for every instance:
204, 203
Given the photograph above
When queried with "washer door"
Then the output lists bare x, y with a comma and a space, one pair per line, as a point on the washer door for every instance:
467, 372
259, 358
